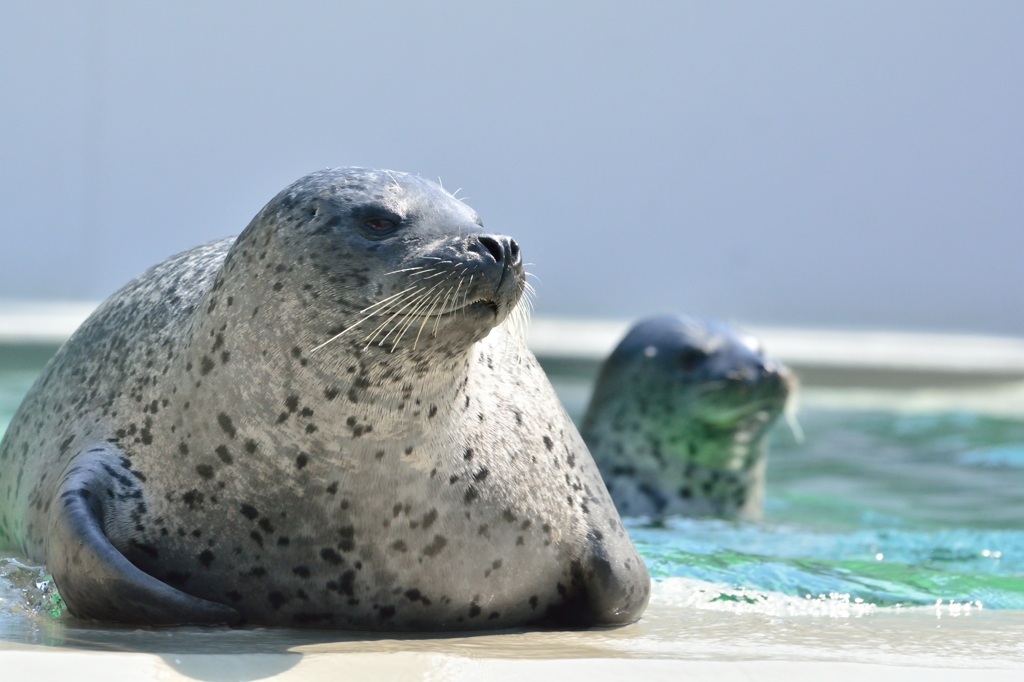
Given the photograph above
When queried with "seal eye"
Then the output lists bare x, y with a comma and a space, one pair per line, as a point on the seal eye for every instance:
380, 224
690, 358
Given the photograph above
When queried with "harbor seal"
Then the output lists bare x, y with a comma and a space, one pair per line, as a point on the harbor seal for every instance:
678, 419
325, 422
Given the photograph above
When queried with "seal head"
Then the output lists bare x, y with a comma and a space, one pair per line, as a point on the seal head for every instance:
678, 419
327, 421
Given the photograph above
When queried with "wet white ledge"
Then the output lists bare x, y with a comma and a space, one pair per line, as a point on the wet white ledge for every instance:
865, 350
52, 322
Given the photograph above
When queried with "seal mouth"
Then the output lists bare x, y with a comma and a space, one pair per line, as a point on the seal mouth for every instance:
763, 410
486, 304
479, 305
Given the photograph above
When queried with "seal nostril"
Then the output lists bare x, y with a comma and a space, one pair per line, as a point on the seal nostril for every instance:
513, 249
493, 247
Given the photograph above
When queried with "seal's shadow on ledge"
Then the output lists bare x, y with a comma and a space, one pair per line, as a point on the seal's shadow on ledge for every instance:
223, 653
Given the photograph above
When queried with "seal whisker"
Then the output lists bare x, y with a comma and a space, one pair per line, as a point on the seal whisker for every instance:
709, 386
444, 306
392, 310
465, 297
436, 298
790, 411
387, 299
393, 179
426, 317
360, 321
516, 325
410, 317
402, 325
452, 295
439, 262
527, 294
401, 310
411, 302
418, 267
459, 286
432, 302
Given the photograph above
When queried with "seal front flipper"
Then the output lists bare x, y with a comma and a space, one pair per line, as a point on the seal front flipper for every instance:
96, 580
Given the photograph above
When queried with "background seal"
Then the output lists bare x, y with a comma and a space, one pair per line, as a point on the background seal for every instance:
678, 419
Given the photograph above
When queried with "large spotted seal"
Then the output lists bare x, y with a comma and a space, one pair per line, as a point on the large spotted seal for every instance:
325, 421
678, 419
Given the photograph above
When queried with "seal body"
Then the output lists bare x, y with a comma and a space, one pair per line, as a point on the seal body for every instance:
324, 422
678, 419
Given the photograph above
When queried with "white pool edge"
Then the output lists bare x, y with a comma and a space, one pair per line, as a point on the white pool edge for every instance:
53, 322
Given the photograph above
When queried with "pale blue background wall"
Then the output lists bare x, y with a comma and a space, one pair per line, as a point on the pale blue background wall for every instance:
823, 163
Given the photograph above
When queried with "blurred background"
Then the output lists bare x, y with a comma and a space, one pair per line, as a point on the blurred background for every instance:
855, 165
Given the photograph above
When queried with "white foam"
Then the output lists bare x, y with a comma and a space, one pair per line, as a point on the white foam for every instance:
697, 594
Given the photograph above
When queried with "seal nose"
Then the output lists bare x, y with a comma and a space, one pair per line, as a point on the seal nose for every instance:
778, 374
493, 248
513, 252
746, 375
757, 372
775, 372
503, 250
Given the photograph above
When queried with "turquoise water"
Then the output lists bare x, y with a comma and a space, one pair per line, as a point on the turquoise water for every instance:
887, 508
874, 508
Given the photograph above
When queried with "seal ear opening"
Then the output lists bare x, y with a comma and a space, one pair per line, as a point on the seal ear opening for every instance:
93, 578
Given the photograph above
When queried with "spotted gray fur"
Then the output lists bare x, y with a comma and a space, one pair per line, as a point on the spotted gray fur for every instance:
187, 456
679, 416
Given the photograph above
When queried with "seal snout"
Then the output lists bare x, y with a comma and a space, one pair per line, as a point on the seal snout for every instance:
498, 264
760, 376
